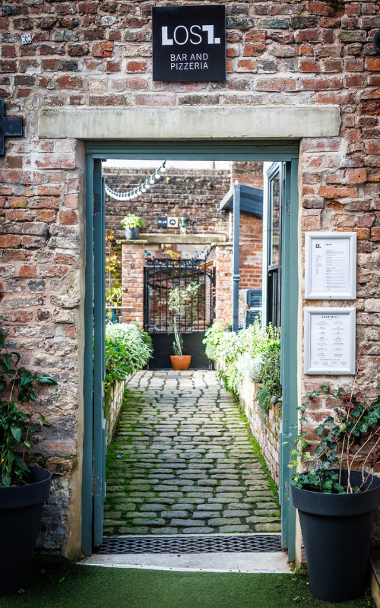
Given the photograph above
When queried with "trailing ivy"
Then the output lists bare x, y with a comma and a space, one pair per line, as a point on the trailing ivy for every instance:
352, 424
16, 425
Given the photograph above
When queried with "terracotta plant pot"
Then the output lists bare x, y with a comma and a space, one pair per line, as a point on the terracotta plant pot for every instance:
180, 363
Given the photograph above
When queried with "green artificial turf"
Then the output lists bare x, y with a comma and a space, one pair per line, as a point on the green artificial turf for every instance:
60, 584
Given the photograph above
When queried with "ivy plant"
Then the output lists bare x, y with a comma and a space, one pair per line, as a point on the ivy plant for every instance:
16, 425
351, 433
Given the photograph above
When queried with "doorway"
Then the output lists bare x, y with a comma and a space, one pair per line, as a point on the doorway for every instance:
94, 445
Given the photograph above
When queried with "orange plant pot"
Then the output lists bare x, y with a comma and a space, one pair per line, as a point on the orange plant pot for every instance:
180, 363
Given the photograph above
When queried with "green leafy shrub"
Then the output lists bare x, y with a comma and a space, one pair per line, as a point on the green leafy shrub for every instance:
128, 349
132, 221
16, 425
250, 354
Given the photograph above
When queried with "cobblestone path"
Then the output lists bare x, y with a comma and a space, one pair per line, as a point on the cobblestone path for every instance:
182, 461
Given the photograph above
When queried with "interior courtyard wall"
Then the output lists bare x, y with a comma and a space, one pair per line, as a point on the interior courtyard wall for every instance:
97, 53
191, 193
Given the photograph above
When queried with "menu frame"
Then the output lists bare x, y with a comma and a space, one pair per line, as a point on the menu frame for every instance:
347, 370
313, 294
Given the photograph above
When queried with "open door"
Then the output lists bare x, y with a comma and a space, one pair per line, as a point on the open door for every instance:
275, 197
280, 290
94, 442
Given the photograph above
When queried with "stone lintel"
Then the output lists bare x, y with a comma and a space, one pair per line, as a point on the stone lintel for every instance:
257, 122
172, 239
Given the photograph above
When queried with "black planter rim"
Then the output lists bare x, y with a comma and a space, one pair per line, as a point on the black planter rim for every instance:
22, 496
339, 505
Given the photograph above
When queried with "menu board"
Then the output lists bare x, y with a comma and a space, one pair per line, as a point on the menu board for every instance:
330, 265
330, 340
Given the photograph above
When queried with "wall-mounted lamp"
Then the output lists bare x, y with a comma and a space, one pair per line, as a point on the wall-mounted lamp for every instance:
376, 41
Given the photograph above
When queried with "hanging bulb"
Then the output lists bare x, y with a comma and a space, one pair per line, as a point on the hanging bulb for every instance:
163, 168
147, 185
151, 181
143, 189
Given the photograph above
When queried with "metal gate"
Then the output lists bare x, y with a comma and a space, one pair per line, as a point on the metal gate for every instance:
160, 276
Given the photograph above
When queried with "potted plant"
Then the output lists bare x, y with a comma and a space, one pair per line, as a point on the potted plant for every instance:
336, 502
23, 488
179, 298
132, 224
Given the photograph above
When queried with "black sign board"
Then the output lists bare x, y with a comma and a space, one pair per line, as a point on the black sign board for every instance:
162, 221
189, 43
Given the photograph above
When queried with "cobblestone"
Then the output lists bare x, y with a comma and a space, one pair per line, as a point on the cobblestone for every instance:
182, 461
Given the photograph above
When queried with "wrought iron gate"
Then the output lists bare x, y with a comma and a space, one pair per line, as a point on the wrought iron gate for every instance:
160, 276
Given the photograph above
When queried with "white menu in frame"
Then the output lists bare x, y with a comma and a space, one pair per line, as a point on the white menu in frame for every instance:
330, 340
330, 271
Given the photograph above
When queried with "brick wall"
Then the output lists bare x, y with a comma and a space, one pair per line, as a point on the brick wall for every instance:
98, 53
223, 292
265, 429
133, 259
250, 251
194, 194
248, 173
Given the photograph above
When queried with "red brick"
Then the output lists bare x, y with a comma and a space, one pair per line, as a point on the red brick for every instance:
246, 65
331, 192
9, 240
372, 64
103, 49
321, 8
9, 51
341, 97
321, 83
306, 36
136, 65
45, 215
332, 65
308, 65
375, 234
353, 64
10, 176
356, 176
113, 67
255, 36
56, 163
253, 50
8, 66
88, 7
276, 84
355, 80
27, 270
67, 217
70, 82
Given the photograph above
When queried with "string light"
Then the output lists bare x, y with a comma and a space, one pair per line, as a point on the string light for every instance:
132, 194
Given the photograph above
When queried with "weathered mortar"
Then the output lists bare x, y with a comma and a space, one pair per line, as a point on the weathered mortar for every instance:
95, 54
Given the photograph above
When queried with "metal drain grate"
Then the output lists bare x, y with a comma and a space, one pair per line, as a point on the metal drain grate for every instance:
198, 544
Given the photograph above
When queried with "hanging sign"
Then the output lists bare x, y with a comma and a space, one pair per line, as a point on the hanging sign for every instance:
330, 341
189, 43
330, 265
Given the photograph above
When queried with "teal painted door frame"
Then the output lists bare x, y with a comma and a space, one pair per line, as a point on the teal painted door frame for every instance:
93, 486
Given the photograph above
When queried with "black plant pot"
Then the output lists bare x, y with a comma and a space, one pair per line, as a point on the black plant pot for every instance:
20, 517
336, 530
132, 233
